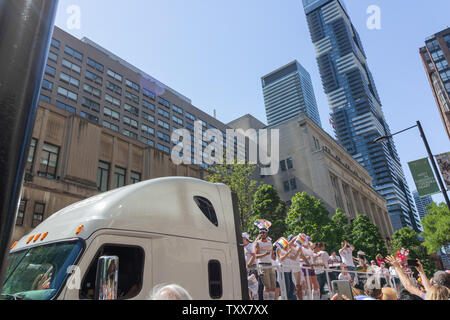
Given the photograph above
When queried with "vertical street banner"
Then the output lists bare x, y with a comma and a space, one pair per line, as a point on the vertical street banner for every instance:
423, 177
443, 161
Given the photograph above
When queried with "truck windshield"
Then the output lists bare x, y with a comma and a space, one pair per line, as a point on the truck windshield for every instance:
38, 273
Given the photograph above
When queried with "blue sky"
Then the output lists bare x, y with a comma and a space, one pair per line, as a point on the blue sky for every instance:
215, 52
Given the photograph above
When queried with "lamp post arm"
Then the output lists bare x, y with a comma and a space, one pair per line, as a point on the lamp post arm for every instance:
403, 130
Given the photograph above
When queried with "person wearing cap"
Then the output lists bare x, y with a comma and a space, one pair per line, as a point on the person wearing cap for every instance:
264, 253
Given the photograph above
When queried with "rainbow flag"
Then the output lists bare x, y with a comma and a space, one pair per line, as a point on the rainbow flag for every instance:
262, 223
301, 239
282, 243
252, 280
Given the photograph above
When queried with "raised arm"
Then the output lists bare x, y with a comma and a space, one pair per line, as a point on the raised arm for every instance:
426, 282
406, 282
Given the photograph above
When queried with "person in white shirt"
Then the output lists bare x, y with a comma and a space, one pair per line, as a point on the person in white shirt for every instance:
335, 264
297, 275
263, 253
384, 272
250, 261
322, 276
344, 275
313, 262
373, 268
347, 257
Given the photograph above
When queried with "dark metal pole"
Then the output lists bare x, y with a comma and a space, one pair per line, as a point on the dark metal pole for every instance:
436, 170
26, 27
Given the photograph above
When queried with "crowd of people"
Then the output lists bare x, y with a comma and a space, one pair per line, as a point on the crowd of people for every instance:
307, 271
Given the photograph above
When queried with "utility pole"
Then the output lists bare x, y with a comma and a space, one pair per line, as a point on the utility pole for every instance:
26, 28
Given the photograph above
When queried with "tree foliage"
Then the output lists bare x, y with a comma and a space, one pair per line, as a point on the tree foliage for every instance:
238, 177
308, 215
366, 237
342, 230
409, 239
436, 227
268, 205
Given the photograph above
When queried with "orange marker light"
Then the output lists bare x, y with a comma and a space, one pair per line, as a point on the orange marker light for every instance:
14, 244
29, 239
44, 236
79, 230
37, 237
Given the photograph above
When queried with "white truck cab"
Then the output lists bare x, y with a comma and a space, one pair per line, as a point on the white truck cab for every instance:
169, 230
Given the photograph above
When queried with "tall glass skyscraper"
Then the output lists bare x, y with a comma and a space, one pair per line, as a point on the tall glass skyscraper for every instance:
421, 204
356, 107
287, 92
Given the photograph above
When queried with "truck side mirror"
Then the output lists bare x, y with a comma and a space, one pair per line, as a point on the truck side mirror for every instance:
107, 279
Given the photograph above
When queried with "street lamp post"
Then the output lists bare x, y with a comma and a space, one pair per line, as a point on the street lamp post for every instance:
430, 155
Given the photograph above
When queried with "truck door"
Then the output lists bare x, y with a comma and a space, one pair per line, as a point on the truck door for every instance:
134, 267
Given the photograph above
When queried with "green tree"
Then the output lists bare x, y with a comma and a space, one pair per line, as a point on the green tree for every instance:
408, 239
436, 227
268, 205
308, 215
238, 177
365, 236
342, 229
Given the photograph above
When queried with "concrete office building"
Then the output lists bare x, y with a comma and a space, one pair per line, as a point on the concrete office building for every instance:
101, 124
421, 204
312, 161
88, 80
357, 113
436, 59
72, 159
287, 92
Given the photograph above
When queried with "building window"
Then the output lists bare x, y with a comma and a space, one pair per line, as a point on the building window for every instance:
93, 77
293, 184
49, 161
130, 134
67, 94
65, 106
190, 116
111, 126
55, 43
88, 103
94, 64
91, 90
45, 98
177, 109
21, 213
163, 136
148, 105
112, 100
147, 141
130, 122
71, 81
283, 165
74, 53
148, 94
71, 66
349, 200
53, 56
316, 143
286, 186
131, 109
132, 97
132, 85
290, 163
148, 117
111, 114
135, 177
177, 120
119, 177
148, 130
164, 102
38, 214
89, 117
114, 88
163, 148
163, 113
337, 192
163, 124
47, 85
50, 70
103, 176
114, 75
